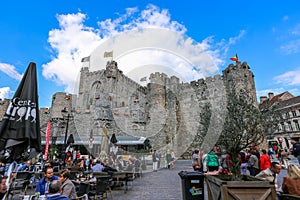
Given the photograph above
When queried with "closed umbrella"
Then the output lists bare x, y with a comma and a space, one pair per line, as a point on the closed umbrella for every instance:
20, 127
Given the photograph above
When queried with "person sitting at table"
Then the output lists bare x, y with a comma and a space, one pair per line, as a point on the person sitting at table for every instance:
119, 163
98, 167
291, 183
77, 167
43, 184
3, 187
55, 190
129, 167
68, 188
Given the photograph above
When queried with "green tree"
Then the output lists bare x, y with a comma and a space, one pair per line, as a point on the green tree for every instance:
245, 126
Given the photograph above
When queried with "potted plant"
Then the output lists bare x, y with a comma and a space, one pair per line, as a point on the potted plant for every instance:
245, 126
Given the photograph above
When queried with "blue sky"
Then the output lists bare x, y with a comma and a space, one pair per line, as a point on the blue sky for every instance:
57, 34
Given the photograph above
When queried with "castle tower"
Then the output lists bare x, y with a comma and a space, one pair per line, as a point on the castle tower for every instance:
240, 77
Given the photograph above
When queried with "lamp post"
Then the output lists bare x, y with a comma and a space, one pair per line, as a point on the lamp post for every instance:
64, 111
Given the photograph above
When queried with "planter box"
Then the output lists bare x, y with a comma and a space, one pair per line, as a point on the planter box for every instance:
219, 187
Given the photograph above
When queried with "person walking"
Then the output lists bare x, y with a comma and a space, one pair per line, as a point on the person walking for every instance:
253, 164
173, 160
196, 160
204, 162
168, 159
154, 161
159, 159
212, 161
264, 160
296, 149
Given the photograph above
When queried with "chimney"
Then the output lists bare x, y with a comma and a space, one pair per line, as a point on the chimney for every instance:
262, 99
271, 95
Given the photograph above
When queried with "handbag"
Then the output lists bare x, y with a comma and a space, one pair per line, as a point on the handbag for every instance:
196, 166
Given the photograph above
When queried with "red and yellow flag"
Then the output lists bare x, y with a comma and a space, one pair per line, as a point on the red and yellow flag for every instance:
235, 58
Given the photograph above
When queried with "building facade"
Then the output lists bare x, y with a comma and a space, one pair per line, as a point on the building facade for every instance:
289, 108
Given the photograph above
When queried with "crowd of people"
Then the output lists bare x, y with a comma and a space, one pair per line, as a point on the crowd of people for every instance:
261, 163
165, 159
60, 186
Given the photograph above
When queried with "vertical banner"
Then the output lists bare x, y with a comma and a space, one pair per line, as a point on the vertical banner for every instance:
47, 141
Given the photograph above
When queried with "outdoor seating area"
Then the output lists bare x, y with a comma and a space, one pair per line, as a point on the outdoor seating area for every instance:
98, 185
101, 184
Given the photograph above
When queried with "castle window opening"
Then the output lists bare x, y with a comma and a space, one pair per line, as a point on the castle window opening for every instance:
287, 115
290, 126
297, 125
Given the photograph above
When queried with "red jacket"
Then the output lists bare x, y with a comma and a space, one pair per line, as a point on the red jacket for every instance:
264, 162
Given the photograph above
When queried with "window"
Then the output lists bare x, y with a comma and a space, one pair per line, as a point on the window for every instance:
287, 115
294, 113
290, 126
297, 125
283, 127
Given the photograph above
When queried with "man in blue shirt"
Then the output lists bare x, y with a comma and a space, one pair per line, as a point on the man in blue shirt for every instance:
98, 167
43, 185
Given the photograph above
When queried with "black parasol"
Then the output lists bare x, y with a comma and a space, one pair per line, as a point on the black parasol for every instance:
113, 139
70, 139
20, 138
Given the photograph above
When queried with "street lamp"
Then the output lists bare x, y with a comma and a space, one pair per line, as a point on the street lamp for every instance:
64, 111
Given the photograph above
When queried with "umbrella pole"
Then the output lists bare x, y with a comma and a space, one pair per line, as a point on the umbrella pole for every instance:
9, 173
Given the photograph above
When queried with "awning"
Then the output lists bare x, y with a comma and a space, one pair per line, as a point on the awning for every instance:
85, 140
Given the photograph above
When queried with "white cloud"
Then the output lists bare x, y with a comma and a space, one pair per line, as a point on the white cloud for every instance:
265, 92
10, 70
291, 47
5, 92
73, 41
276, 91
289, 78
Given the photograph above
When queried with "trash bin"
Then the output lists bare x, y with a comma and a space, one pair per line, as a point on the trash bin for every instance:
192, 185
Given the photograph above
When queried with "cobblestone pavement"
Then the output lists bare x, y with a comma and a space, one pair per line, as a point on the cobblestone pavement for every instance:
164, 184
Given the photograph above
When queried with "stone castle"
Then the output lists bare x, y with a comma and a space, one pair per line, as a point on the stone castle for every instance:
166, 111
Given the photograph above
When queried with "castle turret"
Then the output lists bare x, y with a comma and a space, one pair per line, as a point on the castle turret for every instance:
240, 77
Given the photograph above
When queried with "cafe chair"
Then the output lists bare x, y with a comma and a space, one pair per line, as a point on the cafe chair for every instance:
21, 181
130, 176
73, 175
83, 189
102, 187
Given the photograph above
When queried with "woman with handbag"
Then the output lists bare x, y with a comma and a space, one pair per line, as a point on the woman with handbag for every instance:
196, 160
